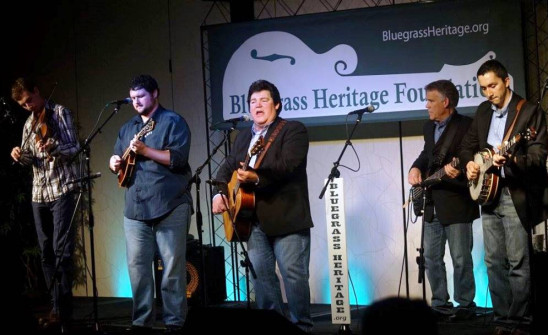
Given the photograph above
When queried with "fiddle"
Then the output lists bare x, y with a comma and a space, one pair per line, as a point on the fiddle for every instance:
43, 133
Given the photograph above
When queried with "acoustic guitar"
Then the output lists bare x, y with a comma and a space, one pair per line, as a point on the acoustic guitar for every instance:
485, 188
239, 217
417, 195
128, 159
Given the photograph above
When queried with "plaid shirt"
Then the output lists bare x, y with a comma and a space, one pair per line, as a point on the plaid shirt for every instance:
51, 172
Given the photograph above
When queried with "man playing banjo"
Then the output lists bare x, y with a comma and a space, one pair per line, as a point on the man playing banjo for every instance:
514, 181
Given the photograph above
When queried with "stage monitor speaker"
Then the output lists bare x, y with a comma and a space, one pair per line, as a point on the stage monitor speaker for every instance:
215, 282
241, 321
215, 278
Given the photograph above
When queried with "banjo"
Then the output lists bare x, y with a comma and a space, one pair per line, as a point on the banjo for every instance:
486, 187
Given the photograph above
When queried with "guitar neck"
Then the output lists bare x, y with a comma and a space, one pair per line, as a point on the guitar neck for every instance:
246, 162
441, 172
488, 163
244, 167
509, 144
438, 174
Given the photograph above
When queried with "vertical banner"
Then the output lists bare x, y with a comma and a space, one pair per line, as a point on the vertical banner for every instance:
336, 239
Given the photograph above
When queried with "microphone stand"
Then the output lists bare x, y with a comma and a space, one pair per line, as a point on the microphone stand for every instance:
420, 257
54, 286
86, 149
405, 222
199, 222
335, 173
246, 262
544, 89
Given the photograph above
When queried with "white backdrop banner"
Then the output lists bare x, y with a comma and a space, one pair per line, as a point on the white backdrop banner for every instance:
327, 65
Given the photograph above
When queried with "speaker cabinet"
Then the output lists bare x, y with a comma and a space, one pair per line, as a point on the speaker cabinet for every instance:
215, 278
214, 320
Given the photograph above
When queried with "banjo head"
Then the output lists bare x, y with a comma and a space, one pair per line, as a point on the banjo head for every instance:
477, 187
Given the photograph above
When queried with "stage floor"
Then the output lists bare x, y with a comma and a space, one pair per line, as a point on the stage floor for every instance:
114, 317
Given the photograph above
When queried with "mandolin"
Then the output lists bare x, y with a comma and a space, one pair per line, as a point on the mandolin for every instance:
128, 159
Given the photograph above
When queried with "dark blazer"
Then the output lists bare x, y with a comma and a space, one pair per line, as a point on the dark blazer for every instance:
451, 197
525, 179
282, 205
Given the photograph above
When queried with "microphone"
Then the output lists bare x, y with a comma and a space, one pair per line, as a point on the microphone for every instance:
235, 120
77, 180
120, 102
244, 117
214, 182
368, 109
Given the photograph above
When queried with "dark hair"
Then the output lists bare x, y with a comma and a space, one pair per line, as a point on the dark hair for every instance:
447, 89
22, 84
144, 81
387, 316
494, 66
263, 85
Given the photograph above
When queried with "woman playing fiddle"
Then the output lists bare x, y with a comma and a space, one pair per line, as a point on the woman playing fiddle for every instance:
48, 143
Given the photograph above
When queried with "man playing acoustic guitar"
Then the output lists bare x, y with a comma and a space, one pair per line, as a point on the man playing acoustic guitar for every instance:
280, 228
518, 181
450, 212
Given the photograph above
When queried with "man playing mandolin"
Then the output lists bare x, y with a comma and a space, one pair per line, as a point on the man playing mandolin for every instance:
516, 181
280, 219
449, 210
158, 205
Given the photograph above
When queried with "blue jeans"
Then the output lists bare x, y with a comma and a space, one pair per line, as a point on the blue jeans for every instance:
56, 238
507, 259
292, 254
167, 235
459, 237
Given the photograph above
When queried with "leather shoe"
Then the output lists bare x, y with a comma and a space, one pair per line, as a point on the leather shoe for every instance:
463, 314
443, 313
446, 309
66, 327
51, 321
173, 330
138, 330
501, 330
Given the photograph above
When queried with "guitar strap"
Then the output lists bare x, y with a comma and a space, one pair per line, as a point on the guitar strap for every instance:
269, 142
518, 108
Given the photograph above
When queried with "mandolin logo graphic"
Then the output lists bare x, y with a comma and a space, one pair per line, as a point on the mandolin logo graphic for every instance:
317, 85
